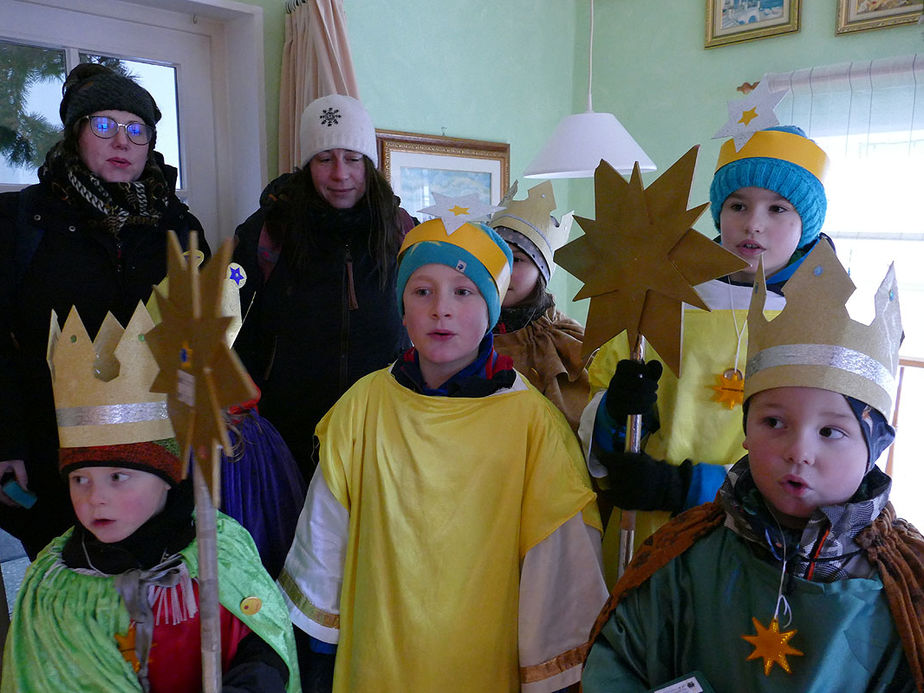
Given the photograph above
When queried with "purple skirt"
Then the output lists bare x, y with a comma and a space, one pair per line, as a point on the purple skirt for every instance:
262, 487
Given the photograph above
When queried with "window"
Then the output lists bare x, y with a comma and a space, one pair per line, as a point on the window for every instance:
31, 94
869, 117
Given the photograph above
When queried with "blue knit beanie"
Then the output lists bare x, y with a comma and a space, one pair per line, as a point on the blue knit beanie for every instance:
475, 250
781, 159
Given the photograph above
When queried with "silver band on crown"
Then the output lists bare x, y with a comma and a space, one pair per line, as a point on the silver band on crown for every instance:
112, 414
825, 355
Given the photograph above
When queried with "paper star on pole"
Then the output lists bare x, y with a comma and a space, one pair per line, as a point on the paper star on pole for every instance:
198, 371
640, 258
455, 211
772, 645
752, 113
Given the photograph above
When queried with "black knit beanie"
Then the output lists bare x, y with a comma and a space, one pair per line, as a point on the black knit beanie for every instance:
91, 87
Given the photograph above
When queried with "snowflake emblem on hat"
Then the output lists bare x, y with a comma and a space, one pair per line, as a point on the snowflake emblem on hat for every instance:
752, 113
330, 116
455, 211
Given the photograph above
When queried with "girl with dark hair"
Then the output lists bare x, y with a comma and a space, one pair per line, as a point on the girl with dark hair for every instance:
92, 234
321, 256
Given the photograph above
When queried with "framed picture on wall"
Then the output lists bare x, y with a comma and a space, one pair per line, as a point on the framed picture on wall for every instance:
860, 15
732, 21
419, 165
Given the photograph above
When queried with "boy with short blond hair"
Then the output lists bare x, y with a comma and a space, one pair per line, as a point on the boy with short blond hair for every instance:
449, 540
799, 576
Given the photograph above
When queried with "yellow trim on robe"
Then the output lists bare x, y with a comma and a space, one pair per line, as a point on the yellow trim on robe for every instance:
693, 426
446, 496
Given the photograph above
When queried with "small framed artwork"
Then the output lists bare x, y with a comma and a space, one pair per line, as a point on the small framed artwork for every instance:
419, 165
732, 21
860, 15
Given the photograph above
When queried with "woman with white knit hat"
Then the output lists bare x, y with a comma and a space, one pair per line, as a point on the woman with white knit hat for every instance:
321, 254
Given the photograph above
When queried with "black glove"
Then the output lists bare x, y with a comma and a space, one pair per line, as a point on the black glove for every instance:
633, 388
637, 481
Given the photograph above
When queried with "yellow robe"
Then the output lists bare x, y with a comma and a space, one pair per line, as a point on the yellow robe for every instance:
445, 498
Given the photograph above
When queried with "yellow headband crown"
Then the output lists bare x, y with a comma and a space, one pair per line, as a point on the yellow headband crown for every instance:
776, 144
470, 238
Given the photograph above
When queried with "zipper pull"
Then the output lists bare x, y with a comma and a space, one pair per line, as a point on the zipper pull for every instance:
351, 290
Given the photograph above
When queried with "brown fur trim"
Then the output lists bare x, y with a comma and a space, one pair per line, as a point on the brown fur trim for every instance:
658, 550
896, 548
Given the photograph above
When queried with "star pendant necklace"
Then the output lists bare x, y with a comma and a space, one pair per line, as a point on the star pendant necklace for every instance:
770, 644
729, 384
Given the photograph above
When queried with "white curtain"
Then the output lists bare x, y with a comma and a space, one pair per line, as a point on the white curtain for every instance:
869, 117
316, 61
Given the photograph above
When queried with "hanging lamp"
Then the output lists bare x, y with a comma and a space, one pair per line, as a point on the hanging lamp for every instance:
581, 140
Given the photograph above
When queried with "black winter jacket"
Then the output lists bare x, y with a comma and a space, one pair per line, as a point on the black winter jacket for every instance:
302, 341
73, 263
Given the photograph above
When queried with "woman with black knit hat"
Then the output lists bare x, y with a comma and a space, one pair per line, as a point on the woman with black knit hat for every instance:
91, 233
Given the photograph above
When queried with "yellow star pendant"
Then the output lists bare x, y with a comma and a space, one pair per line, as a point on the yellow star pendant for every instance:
729, 388
126, 644
457, 210
772, 645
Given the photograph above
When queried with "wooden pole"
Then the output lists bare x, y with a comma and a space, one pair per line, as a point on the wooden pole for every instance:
209, 609
633, 444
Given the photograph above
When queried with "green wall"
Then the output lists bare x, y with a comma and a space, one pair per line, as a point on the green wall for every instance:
511, 70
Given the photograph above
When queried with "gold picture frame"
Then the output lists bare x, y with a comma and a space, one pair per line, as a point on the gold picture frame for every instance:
734, 21
857, 15
417, 165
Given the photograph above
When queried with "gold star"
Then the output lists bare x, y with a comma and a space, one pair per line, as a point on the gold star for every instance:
640, 258
772, 645
748, 115
729, 388
126, 645
457, 210
198, 371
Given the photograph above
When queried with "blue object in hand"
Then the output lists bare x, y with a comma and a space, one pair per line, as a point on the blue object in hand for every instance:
17, 493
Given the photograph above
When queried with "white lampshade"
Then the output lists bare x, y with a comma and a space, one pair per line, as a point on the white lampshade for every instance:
580, 141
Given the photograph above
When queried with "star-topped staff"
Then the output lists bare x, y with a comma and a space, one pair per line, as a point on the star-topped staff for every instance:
752, 113
201, 377
640, 258
639, 261
455, 211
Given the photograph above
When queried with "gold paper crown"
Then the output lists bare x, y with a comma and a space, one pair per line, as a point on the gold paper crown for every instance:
813, 342
532, 217
101, 387
235, 278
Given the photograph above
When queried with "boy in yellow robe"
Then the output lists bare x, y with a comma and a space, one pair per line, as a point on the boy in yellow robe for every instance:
450, 539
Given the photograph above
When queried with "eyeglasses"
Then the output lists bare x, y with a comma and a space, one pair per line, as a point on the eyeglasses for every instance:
106, 128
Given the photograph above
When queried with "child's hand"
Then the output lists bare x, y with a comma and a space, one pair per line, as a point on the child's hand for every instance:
637, 481
633, 388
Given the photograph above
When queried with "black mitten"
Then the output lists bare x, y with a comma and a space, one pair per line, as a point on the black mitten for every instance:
637, 481
633, 388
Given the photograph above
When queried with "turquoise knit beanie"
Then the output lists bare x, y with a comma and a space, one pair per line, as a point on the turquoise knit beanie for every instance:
778, 164
465, 252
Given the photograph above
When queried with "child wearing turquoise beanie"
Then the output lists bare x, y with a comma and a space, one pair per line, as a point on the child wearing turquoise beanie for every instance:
767, 201
450, 539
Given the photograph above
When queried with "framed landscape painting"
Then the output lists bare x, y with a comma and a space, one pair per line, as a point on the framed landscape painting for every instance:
732, 21
419, 165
